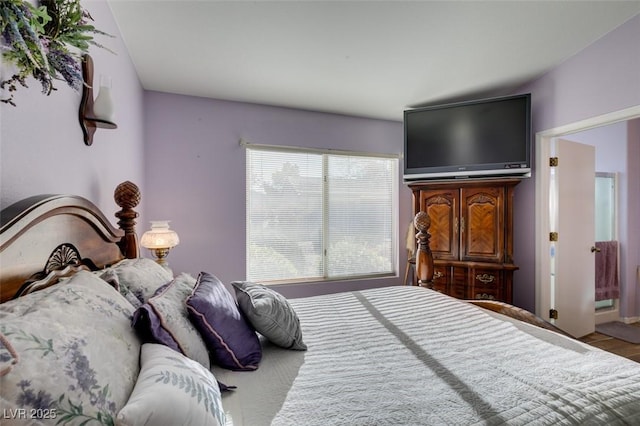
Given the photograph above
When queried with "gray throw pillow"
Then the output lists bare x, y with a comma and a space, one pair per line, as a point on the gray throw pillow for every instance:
270, 314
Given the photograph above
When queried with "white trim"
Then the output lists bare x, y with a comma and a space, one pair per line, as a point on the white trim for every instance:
542, 225
245, 144
590, 123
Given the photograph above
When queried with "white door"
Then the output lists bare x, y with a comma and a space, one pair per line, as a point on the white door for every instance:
572, 216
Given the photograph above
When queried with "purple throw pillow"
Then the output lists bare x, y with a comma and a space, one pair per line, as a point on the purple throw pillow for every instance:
149, 328
232, 342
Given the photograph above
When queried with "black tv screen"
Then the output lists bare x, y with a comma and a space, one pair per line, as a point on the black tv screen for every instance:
481, 138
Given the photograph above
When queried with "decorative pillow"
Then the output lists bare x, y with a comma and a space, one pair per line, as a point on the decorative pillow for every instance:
232, 342
164, 319
270, 314
110, 276
172, 390
140, 276
78, 355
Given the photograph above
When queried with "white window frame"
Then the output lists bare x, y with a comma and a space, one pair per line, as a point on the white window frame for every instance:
325, 153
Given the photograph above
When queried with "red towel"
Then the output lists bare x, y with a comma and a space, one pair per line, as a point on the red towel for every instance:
607, 270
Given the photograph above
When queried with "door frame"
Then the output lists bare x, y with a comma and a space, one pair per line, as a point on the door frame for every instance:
542, 227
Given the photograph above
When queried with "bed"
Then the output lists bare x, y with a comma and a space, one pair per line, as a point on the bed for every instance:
397, 355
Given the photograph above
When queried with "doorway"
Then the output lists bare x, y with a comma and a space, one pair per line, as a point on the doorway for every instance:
543, 148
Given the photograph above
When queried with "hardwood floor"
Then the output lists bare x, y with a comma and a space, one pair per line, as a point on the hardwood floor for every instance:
616, 346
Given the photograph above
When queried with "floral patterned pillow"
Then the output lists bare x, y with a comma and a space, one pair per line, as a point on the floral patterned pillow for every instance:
77, 353
172, 390
141, 277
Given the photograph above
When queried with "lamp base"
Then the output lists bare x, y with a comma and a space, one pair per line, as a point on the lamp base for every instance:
160, 255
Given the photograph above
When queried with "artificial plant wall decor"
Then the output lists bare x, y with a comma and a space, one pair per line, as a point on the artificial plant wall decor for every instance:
46, 42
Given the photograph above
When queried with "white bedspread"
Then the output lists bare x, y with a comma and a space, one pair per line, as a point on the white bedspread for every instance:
410, 356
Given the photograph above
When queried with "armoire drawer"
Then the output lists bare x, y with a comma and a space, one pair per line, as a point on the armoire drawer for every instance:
441, 279
487, 284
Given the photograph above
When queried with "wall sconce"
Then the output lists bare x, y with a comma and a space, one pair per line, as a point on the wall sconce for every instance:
159, 240
98, 113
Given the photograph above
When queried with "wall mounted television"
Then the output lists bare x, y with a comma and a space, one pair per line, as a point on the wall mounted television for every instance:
473, 139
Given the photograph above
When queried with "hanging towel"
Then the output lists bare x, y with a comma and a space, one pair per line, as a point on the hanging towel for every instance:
607, 270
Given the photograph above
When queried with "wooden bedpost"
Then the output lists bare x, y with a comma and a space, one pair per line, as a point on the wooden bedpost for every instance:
424, 257
127, 196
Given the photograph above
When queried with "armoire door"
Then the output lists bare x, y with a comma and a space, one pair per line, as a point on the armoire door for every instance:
482, 224
442, 206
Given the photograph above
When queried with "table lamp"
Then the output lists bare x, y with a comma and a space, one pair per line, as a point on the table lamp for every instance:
159, 240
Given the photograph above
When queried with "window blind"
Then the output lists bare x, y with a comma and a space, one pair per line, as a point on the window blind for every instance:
319, 215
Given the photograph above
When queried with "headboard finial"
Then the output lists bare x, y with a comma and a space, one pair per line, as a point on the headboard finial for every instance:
127, 196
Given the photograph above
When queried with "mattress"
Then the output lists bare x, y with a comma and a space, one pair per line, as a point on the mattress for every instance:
412, 356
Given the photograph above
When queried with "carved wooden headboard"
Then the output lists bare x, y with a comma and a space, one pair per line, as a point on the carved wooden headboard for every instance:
45, 233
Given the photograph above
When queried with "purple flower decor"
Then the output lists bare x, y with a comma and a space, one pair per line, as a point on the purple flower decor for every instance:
45, 42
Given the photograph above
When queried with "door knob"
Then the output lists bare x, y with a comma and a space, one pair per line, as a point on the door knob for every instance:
595, 249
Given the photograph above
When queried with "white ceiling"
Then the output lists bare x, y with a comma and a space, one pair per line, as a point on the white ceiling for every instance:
364, 58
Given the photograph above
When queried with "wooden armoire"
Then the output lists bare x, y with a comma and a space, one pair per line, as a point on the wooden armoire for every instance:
471, 235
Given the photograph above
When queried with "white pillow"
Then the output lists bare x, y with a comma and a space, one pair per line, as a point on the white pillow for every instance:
172, 390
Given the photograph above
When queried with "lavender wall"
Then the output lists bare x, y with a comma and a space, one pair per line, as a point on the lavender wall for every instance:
42, 144
603, 78
195, 174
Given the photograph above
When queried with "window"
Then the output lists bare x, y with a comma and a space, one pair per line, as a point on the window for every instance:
314, 215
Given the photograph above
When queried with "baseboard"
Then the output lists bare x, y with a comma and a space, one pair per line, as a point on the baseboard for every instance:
630, 320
